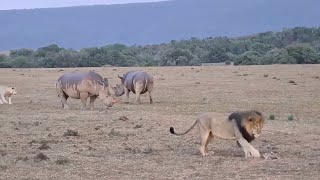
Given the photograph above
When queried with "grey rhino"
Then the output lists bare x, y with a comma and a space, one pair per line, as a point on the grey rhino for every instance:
138, 82
80, 85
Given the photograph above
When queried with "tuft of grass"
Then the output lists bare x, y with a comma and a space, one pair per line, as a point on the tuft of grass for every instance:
3, 168
290, 117
40, 157
291, 81
3, 153
44, 145
70, 132
138, 126
272, 116
21, 158
265, 75
62, 161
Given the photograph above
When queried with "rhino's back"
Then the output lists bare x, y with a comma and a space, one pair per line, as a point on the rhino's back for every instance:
132, 77
76, 78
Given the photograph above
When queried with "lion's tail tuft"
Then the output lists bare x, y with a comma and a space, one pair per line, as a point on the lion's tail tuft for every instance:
172, 130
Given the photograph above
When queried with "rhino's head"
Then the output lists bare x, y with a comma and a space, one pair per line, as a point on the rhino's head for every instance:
105, 95
119, 88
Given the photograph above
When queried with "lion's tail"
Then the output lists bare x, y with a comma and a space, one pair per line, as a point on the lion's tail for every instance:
179, 134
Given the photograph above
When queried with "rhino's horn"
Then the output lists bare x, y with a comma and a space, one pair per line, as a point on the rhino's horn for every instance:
116, 100
113, 88
120, 77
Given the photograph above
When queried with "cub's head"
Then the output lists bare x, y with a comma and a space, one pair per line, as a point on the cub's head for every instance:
253, 123
11, 90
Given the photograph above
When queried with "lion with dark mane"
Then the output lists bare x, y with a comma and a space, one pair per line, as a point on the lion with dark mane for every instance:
243, 126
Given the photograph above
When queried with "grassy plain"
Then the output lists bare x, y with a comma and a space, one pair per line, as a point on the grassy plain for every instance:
35, 142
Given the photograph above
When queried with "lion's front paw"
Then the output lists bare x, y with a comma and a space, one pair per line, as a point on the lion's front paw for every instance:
255, 153
252, 153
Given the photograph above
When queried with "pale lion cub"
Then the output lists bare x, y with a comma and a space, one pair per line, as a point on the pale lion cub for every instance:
7, 91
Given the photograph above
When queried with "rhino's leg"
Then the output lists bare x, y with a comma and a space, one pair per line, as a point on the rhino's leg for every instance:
139, 88
150, 97
84, 97
64, 98
126, 93
1, 102
92, 99
3, 99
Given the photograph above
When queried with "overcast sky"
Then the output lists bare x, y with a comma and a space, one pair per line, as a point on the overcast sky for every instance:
28, 4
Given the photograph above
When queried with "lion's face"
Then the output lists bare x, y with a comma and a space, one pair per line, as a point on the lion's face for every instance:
12, 90
255, 125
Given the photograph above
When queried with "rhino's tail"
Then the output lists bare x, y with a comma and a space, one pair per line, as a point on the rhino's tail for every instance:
179, 134
146, 84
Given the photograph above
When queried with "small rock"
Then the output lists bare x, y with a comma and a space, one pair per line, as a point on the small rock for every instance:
98, 127
123, 118
137, 126
271, 156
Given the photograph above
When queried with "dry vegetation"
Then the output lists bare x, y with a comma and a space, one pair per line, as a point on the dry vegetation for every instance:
40, 140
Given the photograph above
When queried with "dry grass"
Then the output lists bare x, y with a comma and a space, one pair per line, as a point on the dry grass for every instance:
140, 147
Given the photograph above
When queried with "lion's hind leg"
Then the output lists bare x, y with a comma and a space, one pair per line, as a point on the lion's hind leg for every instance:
204, 140
209, 139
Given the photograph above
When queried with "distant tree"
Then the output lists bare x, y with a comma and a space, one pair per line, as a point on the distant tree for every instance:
22, 62
42, 52
297, 45
303, 54
21, 52
277, 56
261, 48
177, 57
248, 58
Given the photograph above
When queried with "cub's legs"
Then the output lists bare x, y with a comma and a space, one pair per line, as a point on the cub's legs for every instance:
10, 100
3, 99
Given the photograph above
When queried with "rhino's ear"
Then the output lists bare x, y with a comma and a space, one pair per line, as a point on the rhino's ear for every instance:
105, 80
101, 82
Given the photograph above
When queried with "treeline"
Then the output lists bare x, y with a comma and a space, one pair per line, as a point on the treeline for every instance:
298, 45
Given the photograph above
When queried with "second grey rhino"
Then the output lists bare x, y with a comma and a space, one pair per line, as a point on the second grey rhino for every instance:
138, 82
